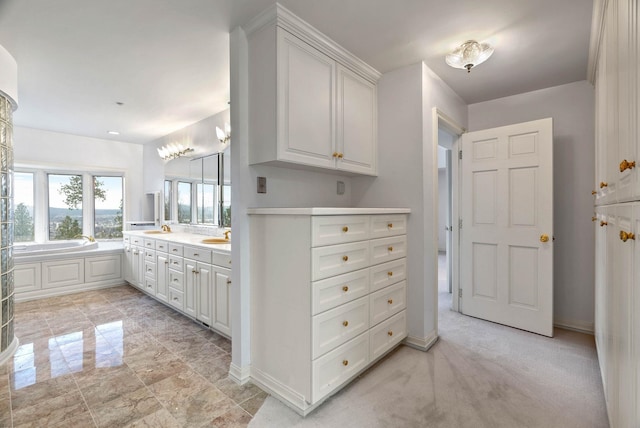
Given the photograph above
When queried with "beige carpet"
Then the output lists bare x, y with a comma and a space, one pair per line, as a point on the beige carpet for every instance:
478, 374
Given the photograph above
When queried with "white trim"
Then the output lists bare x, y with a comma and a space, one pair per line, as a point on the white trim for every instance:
282, 392
8, 353
285, 19
579, 326
597, 28
422, 344
63, 291
239, 375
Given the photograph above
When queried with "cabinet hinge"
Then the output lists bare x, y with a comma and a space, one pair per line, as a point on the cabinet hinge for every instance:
459, 154
459, 223
459, 292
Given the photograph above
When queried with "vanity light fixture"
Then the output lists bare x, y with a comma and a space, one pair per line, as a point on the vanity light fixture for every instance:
173, 150
113, 133
469, 55
224, 136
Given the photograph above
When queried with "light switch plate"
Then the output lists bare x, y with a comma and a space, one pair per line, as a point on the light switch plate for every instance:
340, 187
262, 184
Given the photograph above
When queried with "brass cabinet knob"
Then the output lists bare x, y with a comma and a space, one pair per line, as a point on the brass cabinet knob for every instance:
624, 165
345, 258
603, 184
594, 218
390, 248
390, 333
228, 281
625, 236
390, 225
345, 229
390, 301
335, 154
544, 238
593, 192
345, 323
340, 155
345, 288
345, 362
603, 223
390, 273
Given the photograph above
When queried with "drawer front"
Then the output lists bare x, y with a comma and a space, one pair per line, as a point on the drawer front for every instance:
150, 270
150, 286
339, 259
387, 334
332, 292
387, 249
329, 230
136, 240
221, 259
333, 328
149, 254
175, 249
176, 263
176, 280
388, 273
388, 301
197, 254
176, 298
126, 238
162, 246
338, 366
150, 243
383, 226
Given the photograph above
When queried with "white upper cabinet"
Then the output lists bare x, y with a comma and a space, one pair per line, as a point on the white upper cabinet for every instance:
312, 104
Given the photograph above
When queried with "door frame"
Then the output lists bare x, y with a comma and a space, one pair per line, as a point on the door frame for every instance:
442, 120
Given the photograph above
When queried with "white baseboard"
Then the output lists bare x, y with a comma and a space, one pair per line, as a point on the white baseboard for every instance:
239, 375
422, 344
8, 353
579, 326
61, 291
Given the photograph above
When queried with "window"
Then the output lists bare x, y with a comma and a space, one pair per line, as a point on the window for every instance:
184, 202
24, 205
65, 206
107, 216
167, 199
226, 205
206, 202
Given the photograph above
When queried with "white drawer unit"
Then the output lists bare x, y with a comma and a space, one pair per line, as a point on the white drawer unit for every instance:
150, 254
176, 280
136, 240
197, 254
221, 259
162, 246
329, 297
150, 286
175, 249
339, 229
176, 263
176, 299
150, 244
150, 270
338, 290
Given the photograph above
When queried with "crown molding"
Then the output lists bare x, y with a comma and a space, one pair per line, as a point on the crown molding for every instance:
597, 28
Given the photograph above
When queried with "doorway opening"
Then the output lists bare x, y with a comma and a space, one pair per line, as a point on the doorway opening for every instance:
446, 141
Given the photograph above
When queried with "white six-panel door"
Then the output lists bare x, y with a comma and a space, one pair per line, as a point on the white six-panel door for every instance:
506, 271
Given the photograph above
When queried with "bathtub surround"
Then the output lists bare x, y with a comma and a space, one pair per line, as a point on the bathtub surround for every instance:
8, 103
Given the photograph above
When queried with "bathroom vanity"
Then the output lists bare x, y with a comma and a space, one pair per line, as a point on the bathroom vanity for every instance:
328, 297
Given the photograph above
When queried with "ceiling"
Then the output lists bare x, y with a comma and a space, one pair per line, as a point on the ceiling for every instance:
167, 61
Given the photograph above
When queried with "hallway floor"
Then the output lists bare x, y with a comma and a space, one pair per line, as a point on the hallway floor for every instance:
116, 358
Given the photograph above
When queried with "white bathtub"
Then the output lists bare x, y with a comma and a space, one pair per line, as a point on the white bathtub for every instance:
57, 247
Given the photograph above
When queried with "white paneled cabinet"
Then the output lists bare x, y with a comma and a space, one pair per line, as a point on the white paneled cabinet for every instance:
221, 300
325, 99
328, 299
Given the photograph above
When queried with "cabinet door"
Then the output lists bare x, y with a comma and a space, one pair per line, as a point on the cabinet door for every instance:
139, 273
601, 290
28, 277
305, 103
204, 294
128, 264
221, 302
635, 310
60, 273
162, 276
190, 284
356, 123
104, 268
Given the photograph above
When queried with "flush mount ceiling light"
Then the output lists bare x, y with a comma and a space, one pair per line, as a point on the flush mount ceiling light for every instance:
469, 54
113, 133
224, 136
173, 150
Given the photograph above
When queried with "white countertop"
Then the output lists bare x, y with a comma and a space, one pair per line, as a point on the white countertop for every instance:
326, 211
182, 238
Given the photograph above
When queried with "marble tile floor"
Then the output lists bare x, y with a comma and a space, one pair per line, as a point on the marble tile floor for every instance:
117, 358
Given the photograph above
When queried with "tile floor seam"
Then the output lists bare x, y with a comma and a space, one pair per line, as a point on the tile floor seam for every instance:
84, 399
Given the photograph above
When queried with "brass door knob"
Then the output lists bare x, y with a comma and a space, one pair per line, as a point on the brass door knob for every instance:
345, 323
603, 184
345, 362
340, 155
544, 238
624, 165
390, 333
345, 288
625, 236
593, 192
335, 154
345, 229
603, 223
345, 258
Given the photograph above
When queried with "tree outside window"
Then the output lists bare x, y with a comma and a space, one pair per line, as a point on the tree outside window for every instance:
23, 214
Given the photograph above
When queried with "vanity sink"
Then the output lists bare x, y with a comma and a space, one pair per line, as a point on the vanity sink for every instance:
155, 232
215, 241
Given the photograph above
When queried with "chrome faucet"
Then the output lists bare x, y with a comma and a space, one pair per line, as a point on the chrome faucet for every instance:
166, 228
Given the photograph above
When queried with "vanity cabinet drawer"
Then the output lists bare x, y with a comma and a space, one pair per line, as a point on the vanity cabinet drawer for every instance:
126, 239
329, 230
338, 366
150, 243
222, 259
383, 226
176, 280
387, 334
198, 254
175, 249
149, 254
162, 246
332, 292
150, 286
387, 249
388, 273
136, 240
332, 328
150, 270
176, 298
338, 259
176, 263
387, 302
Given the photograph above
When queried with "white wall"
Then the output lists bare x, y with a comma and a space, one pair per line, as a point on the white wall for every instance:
54, 150
407, 156
443, 188
572, 108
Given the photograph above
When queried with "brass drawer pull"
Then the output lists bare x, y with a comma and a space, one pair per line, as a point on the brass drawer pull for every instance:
345, 288
390, 225
345, 323
603, 223
345, 258
389, 273
345, 362
624, 236
603, 184
345, 229
390, 333
390, 248
390, 301
625, 164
